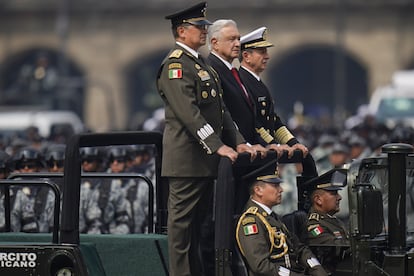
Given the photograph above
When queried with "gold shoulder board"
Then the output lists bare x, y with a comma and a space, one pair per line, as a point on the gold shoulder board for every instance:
314, 216
252, 210
176, 53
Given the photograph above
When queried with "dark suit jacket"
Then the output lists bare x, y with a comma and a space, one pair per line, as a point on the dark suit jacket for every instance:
196, 121
265, 110
236, 103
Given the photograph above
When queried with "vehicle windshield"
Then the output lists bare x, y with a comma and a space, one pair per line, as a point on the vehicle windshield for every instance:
378, 176
396, 108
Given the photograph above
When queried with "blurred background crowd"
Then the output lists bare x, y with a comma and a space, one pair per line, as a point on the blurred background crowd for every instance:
98, 59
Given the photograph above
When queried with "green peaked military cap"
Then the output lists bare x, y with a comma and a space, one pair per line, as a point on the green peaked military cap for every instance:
333, 180
255, 39
267, 173
195, 15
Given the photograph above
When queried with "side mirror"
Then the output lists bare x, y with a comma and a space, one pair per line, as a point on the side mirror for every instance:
370, 211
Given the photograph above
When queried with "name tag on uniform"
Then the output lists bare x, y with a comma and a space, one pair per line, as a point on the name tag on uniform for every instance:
203, 75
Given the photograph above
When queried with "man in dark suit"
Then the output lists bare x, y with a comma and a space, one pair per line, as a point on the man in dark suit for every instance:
224, 39
196, 124
254, 58
225, 47
263, 240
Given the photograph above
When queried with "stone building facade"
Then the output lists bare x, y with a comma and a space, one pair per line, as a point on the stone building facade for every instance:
108, 52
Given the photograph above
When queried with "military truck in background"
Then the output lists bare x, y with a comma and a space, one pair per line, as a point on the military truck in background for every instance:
393, 104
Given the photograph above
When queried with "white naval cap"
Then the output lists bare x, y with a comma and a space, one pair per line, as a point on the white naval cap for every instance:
255, 39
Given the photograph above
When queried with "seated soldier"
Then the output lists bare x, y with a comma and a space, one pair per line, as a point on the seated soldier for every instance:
264, 241
323, 227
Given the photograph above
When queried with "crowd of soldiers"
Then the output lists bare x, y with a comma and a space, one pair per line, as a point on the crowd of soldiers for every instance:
107, 204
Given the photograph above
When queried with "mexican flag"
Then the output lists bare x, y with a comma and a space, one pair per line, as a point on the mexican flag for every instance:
250, 229
175, 73
317, 231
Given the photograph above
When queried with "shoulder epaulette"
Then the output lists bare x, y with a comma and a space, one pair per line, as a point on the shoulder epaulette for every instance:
314, 216
252, 210
176, 53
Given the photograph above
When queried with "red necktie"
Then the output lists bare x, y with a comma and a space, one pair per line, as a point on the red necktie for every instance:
237, 77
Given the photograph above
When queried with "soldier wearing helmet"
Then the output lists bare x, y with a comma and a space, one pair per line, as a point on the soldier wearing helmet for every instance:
4, 171
28, 160
33, 206
89, 212
55, 157
107, 198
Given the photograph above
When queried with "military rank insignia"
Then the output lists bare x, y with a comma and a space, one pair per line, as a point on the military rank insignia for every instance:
203, 75
250, 229
175, 71
337, 234
176, 53
316, 231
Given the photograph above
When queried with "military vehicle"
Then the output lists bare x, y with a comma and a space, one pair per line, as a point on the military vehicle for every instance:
66, 252
376, 186
381, 218
381, 202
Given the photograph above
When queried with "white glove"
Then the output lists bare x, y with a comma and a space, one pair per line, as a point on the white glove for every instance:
312, 262
283, 271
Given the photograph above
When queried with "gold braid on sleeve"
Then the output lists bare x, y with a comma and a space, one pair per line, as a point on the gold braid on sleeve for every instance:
283, 135
264, 135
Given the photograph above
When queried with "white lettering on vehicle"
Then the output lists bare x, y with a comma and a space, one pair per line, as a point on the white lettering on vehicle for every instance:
18, 259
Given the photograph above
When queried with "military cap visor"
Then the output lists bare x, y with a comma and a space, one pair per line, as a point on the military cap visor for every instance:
272, 179
195, 15
333, 180
266, 173
255, 39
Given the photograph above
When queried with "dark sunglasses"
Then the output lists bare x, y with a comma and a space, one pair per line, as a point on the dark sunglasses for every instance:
27, 165
119, 160
89, 160
58, 163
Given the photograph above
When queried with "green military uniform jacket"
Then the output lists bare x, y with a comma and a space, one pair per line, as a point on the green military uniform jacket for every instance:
324, 229
269, 248
196, 122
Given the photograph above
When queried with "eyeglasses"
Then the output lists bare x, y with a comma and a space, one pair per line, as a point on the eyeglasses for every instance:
89, 160
118, 160
27, 165
53, 163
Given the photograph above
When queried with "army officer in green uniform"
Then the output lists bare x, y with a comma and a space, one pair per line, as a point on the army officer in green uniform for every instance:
264, 241
323, 227
198, 130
